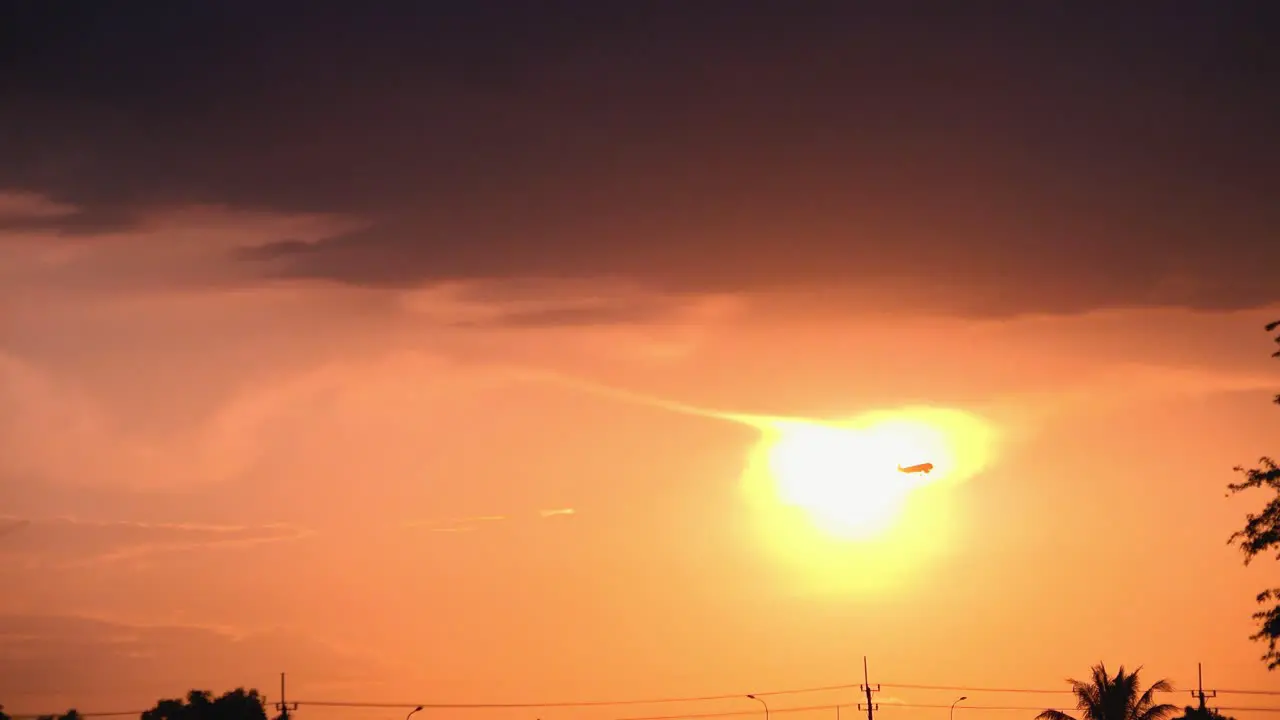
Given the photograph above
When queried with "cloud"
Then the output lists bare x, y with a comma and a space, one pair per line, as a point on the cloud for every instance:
541, 303
65, 542
187, 404
19, 206
49, 663
54, 431
545, 153
174, 249
1129, 384
467, 524
213, 387
1017, 275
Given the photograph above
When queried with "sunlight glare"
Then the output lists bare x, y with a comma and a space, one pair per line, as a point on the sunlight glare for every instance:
818, 483
845, 480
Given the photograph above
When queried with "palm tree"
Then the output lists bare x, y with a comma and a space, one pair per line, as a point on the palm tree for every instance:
1115, 698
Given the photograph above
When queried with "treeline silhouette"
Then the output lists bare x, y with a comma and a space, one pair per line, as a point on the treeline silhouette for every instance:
238, 704
1102, 697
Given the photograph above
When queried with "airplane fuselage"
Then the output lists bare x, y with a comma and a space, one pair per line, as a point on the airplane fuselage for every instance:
921, 468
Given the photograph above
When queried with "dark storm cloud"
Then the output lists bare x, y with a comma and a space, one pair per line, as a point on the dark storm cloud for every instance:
276, 250
90, 221
1011, 156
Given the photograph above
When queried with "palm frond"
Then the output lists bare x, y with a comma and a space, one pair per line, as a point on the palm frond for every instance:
1157, 712
1149, 697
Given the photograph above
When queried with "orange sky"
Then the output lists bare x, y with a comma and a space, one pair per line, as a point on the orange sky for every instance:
317, 322
222, 482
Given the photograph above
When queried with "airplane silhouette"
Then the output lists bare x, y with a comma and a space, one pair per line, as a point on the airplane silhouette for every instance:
921, 468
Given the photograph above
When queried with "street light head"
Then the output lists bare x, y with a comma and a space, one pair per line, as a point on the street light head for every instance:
964, 697
418, 709
753, 697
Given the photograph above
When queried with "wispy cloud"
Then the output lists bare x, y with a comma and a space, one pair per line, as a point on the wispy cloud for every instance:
474, 522
69, 541
29, 205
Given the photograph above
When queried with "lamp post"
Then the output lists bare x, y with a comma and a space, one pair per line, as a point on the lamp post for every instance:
762, 702
411, 712
953, 706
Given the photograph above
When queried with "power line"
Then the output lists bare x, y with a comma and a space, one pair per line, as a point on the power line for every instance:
963, 688
1048, 691
739, 713
99, 714
888, 706
356, 705
578, 703
728, 696
294, 705
861, 687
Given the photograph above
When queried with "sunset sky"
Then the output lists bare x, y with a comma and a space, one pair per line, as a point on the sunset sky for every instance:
441, 352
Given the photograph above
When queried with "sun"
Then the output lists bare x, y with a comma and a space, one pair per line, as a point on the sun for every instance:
846, 479
844, 476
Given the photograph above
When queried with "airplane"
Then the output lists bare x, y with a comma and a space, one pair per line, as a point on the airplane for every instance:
921, 468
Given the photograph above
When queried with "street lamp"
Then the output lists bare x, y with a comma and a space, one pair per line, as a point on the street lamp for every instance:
411, 712
953, 706
762, 702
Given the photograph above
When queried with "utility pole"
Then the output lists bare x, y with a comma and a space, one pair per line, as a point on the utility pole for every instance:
284, 707
1199, 692
866, 688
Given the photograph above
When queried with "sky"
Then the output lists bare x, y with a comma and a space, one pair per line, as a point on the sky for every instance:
441, 352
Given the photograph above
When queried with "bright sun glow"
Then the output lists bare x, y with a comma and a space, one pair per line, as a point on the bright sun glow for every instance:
847, 479
844, 475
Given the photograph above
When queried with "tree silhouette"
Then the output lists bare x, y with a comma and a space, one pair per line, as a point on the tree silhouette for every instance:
1262, 533
68, 715
1202, 713
1115, 698
2, 715
239, 704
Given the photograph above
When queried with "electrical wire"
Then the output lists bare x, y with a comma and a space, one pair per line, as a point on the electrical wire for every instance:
78, 714
732, 696
1047, 691
962, 688
884, 705
580, 703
